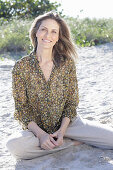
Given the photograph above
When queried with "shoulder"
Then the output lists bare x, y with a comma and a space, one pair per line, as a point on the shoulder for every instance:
22, 63
70, 63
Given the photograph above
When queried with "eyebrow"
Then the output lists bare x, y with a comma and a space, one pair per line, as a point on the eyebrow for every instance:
52, 29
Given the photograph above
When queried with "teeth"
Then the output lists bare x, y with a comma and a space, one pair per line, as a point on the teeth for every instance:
47, 41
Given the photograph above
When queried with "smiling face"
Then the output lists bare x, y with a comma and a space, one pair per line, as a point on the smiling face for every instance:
48, 34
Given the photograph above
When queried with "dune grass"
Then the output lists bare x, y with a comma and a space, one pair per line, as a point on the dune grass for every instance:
88, 32
14, 34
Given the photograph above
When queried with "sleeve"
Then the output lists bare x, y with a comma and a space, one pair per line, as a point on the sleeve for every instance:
23, 110
72, 97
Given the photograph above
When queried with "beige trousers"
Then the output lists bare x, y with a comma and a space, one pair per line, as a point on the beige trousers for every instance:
26, 146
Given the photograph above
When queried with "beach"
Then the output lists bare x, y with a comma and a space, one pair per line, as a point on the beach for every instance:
95, 81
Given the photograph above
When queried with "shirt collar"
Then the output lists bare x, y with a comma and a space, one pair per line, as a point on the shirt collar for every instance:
35, 60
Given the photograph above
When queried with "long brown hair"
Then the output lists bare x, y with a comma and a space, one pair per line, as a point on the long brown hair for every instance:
64, 48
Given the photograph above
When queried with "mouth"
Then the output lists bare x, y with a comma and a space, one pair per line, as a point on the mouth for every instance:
46, 41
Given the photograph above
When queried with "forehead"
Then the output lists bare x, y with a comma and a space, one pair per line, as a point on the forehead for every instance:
50, 23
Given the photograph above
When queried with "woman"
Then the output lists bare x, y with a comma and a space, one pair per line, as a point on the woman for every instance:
45, 92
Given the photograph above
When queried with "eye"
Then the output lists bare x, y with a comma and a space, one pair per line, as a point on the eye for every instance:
43, 29
54, 32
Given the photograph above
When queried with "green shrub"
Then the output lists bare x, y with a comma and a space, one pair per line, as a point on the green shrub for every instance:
14, 35
26, 8
88, 32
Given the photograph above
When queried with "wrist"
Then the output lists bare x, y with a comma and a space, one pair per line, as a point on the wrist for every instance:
40, 134
62, 131
64, 125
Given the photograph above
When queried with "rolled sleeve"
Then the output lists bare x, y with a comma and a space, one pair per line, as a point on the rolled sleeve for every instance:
73, 96
23, 110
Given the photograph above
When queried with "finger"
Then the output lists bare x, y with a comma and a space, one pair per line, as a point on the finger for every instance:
60, 141
46, 147
53, 135
51, 144
53, 141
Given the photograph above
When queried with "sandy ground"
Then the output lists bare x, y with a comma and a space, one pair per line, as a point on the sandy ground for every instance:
95, 79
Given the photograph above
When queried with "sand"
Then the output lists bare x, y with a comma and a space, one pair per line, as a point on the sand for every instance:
95, 80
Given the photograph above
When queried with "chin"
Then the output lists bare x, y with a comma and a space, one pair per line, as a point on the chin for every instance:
47, 46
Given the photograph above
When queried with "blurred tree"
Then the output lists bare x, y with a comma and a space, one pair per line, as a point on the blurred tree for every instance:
25, 8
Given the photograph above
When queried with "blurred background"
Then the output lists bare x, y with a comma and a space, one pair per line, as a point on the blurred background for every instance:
91, 26
90, 22
87, 8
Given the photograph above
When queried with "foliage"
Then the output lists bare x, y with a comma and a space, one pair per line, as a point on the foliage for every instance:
14, 35
25, 8
88, 32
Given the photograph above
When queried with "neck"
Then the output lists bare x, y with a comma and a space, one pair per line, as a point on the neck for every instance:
44, 56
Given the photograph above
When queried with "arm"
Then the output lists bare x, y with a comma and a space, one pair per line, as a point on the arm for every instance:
70, 106
64, 125
46, 141
23, 110
38, 132
72, 97
59, 134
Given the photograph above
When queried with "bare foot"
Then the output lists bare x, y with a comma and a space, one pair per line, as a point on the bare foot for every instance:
77, 143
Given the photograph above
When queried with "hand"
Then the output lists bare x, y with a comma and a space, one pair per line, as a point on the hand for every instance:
59, 137
47, 142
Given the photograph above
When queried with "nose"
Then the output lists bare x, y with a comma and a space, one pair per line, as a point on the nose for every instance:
48, 34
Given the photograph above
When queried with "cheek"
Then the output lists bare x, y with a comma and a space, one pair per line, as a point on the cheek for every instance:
39, 34
55, 38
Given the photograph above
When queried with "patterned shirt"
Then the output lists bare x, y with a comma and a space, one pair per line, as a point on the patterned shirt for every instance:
44, 102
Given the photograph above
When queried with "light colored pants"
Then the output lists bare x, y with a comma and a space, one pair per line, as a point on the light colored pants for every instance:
26, 146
